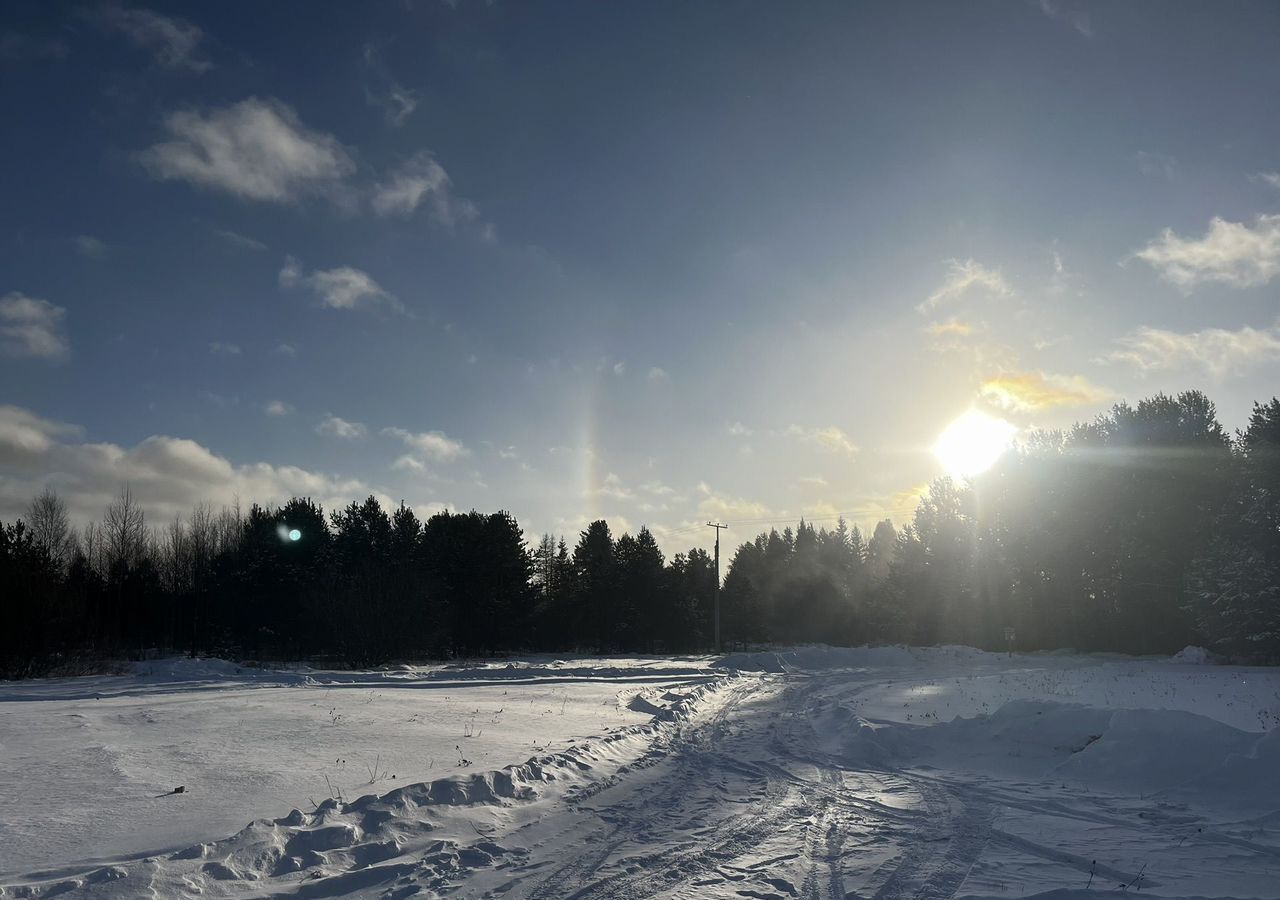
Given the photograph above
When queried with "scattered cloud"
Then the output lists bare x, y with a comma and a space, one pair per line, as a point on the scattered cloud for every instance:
409, 464
338, 427
286, 350
422, 181
1233, 253
16, 47
90, 247
278, 408
951, 328
173, 42
1217, 351
1155, 165
167, 475
657, 374
1031, 391
737, 429
239, 240
434, 444
255, 150
396, 101
31, 328
218, 348
619, 368
344, 287
964, 277
829, 438
1271, 179
613, 488
1068, 13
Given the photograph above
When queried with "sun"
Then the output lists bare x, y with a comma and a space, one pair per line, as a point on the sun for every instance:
972, 443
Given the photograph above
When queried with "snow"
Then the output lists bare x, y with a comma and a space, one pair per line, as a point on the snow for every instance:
886, 772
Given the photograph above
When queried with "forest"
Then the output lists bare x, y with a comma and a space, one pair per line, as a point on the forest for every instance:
1147, 529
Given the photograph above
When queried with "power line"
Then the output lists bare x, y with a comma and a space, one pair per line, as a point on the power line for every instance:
718, 527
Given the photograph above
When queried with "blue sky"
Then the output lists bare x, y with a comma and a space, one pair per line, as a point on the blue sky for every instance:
659, 262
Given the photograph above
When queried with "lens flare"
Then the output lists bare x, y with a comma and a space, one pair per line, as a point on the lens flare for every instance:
295, 534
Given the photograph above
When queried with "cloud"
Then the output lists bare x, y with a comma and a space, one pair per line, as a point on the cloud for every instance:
1068, 14
409, 463
341, 428
218, 348
90, 247
255, 150
341, 288
829, 438
167, 475
1216, 351
1155, 164
964, 277
657, 374
422, 181
1271, 179
737, 429
1030, 391
31, 328
434, 444
19, 47
613, 488
619, 368
239, 240
278, 408
172, 41
396, 101
1231, 253
286, 350
951, 328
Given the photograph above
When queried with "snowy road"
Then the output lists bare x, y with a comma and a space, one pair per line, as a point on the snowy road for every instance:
870, 774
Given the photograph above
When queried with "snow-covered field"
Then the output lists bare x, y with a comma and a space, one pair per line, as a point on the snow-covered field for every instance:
871, 773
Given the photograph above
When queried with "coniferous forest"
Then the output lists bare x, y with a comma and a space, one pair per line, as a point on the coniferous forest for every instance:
1142, 531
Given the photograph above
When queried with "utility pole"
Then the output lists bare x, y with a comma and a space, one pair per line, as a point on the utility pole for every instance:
717, 526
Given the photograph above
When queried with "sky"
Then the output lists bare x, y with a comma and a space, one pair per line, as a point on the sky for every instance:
656, 262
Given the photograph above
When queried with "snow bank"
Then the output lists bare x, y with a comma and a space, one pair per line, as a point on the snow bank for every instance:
819, 658
1193, 656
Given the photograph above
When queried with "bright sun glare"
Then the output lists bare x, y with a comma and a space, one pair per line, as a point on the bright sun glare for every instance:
972, 443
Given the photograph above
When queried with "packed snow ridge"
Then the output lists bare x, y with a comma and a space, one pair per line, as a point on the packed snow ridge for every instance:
885, 772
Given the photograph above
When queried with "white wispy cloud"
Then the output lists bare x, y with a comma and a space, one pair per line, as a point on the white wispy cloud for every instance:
343, 287
611, 486
174, 42
220, 348
1272, 179
90, 247
255, 149
1217, 351
421, 181
435, 445
737, 429
396, 101
239, 240
286, 350
829, 438
1068, 13
278, 408
1233, 253
657, 374
1155, 164
964, 277
338, 427
31, 328
167, 475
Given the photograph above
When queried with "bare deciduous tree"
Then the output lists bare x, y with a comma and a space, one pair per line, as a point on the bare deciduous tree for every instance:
124, 531
49, 526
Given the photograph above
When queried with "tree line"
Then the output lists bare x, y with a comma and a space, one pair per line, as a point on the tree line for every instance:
1142, 531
